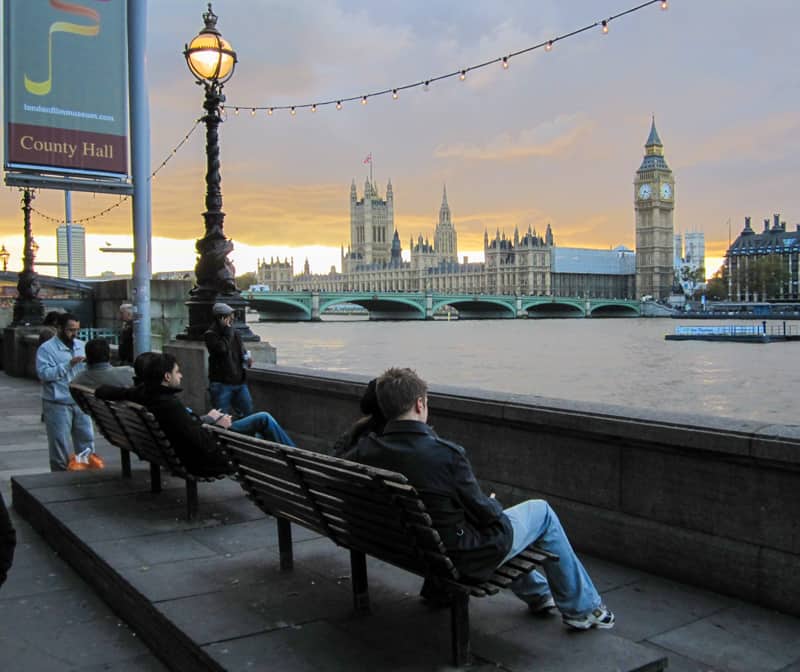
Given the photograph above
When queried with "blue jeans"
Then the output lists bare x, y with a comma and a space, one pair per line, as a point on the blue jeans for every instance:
263, 426
567, 579
69, 430
234, 400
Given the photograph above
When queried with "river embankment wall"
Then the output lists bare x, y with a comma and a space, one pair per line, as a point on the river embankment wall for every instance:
710, 501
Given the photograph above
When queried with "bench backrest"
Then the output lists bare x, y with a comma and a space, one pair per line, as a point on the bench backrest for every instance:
359, 507
131, 426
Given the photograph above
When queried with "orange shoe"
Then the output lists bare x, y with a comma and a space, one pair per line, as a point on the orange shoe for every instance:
75, 464
96, 462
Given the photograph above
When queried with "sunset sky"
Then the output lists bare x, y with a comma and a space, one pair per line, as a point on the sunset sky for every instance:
556, 138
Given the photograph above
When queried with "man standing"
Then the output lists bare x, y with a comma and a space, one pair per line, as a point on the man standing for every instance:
227, 359
99, 370
125, 351
70, 436
477, 533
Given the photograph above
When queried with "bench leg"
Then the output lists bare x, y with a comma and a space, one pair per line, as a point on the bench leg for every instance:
459, 625
358, 573
191, 499
125, 459
285, 543
155, 478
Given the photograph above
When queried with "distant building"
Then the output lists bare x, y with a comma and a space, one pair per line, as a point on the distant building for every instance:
75, 243
654, 203
764, 265
526, 264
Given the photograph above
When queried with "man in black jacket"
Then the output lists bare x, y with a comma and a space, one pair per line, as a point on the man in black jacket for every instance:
8, 540
227, 359
477, 533
195, 446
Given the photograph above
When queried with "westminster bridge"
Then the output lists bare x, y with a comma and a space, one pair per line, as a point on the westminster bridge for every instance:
310, 306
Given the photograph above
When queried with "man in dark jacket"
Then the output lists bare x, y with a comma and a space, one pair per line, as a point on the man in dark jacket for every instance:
195, 446
8, 540
227, 359
478, 534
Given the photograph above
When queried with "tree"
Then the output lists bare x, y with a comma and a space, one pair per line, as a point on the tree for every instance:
768, 276
244, 280
690, 278
717, 286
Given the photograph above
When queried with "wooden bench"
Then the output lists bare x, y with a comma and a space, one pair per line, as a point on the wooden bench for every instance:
366, 510
133, 429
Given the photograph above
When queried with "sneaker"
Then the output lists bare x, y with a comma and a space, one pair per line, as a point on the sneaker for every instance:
541, 604
600, 617
96, 462
75, 464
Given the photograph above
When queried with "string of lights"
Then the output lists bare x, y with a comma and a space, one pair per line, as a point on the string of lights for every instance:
122, 198
461, 73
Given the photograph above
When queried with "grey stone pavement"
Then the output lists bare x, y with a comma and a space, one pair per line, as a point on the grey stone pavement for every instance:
50, 619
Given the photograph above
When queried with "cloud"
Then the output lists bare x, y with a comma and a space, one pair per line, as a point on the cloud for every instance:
548, 139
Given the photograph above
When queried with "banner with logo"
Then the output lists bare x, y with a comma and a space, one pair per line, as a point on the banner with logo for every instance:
65, 86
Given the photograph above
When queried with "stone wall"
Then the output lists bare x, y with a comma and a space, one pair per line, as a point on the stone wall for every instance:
708, 501
168, 312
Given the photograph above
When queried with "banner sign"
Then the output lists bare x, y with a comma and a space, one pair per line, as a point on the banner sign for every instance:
66, 86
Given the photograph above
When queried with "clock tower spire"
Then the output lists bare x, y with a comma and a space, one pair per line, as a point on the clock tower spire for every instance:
654, 203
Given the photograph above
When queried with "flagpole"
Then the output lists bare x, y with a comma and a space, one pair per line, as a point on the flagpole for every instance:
370, 169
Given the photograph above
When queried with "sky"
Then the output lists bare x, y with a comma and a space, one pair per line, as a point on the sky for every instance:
555, 138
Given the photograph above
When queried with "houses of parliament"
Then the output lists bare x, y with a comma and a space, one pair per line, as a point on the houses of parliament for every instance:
527, 263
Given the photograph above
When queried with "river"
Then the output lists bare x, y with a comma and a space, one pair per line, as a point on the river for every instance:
618, 361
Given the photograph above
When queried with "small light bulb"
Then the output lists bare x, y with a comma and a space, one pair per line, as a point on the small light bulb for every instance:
253, 112
314, 107
394, 94
664, 4
293, 111
338, 104
463, 75
236, 110
363, 100
505, 62
605, 27
427, 85
270, 111
549, 45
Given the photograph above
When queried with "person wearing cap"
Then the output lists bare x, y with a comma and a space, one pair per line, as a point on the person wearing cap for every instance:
125, 351
227, 361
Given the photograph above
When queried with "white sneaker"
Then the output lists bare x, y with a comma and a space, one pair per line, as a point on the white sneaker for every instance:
600, 617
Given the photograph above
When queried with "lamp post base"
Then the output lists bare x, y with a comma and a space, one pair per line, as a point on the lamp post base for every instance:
201, 317
27, 312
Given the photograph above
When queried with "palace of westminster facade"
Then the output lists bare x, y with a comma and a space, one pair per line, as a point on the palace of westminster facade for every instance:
525, 264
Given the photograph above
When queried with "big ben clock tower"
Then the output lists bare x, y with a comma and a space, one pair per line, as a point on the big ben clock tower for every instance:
654, 203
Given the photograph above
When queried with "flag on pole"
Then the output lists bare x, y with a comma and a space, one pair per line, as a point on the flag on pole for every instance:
368, 159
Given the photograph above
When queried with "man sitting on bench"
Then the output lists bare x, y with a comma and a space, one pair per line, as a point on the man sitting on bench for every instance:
478, 534
195, 447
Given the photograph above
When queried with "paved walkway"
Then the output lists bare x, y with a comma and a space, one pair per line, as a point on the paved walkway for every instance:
51, 620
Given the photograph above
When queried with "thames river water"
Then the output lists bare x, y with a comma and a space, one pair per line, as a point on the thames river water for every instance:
618, 361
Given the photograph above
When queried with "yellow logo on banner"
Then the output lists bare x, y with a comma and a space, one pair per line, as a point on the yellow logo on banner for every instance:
43, 88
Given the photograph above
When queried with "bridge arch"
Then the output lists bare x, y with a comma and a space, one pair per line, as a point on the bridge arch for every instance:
381, 307
477, 307
550, 307
615, 309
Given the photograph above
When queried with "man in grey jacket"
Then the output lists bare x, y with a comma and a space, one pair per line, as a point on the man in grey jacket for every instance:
70, 435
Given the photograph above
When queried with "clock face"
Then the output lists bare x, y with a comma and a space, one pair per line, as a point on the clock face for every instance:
666, 191
645, 191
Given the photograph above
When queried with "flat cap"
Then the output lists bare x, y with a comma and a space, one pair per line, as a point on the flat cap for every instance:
221, 309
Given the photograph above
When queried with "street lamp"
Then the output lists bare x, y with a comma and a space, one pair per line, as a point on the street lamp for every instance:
4, 256
28, 307
212, 60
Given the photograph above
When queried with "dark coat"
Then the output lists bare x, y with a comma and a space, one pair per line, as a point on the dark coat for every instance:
8, 541
225, 355
474, 529
195, 446
125, 351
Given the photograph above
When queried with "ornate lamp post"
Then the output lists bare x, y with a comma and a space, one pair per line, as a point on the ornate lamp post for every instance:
211, 59
4, 257
28, 308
